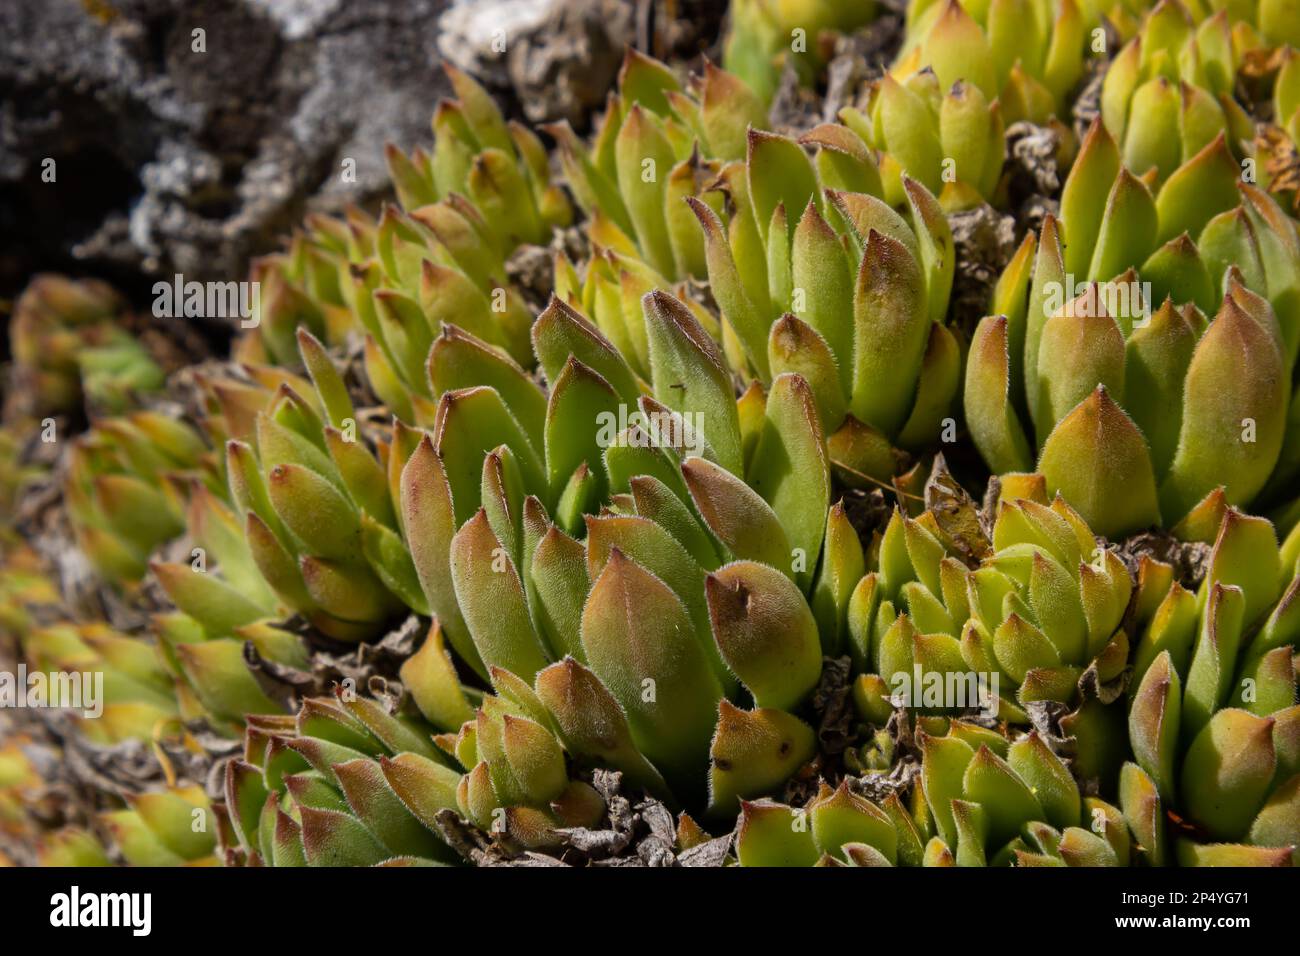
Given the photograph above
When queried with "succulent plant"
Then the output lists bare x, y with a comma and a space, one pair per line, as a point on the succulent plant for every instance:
765, 35
813, 273
1169, 91
1031, 619
344, 783
124, 694
306, 526
307, 519
657, 144
1214, 723
1027, 55
500, 167
72, 846
27, 593
137, 690
16, 775
1255, 23
950, 140
20, 786
678, 510
63, 848
395, 282
1276, 24
29, 807
15, 473
995, 803
610, 289
121, 499
837, 827
169, 826
617, 522
720, 567
1114, 393
977, 799
321, 516
1286, 93
512, 764
68, 346
440, 256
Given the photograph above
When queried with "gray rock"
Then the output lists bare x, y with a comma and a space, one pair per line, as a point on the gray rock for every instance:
560, 58
173, 160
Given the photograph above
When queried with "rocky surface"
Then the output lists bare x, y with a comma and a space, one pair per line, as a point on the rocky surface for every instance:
182, 151
186, 134
556, 61
559, 59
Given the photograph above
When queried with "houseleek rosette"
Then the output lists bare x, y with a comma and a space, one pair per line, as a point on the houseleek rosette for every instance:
1214, 724
657, 143
813, 273
765, 35
68, 347
1102, 369
124, 489
978, 800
